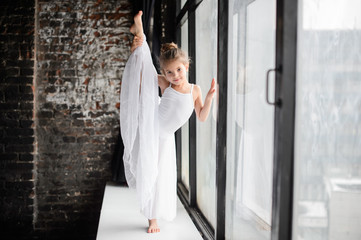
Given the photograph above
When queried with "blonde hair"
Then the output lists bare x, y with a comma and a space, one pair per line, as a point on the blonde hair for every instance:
170, 52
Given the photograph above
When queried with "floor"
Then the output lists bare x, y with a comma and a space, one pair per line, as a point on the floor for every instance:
120, 219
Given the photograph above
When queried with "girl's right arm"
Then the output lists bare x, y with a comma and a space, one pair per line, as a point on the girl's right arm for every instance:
162, 83
137, 42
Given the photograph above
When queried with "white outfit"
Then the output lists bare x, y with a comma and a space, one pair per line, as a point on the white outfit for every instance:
147, 128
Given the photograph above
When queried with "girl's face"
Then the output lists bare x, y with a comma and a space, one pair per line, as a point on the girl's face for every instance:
176, 72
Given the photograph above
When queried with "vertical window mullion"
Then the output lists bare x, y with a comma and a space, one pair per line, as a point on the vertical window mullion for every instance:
192, 120
286, 44
221, 164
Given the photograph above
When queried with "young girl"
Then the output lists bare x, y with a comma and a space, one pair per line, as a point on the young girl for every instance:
148, 123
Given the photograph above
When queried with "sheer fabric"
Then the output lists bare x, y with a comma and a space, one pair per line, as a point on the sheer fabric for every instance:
139, 123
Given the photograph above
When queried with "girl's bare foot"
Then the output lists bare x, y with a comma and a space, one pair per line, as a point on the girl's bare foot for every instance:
153, 226
137, 28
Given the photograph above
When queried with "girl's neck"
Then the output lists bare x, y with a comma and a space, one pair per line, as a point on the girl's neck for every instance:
183, 87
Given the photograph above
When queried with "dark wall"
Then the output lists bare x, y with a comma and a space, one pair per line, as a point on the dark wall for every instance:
59, 118
81, 52
16, 117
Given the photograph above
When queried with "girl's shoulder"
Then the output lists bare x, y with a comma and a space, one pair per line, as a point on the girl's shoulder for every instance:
196, 89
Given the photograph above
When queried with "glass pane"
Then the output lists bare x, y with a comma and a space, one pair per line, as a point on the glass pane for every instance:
180, 6
327, 185
185, 128
206, 65
183, 2
250, 120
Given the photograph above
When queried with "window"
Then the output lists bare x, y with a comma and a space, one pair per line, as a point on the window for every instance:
206, 69
292, 166
327, 187
250, 119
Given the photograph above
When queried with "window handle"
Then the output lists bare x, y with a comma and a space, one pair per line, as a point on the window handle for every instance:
278, 101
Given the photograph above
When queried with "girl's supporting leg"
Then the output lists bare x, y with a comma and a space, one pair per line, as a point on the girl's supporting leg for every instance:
153, 226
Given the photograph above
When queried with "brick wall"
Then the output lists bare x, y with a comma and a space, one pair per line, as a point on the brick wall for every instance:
16, 117
59, 119
81, 52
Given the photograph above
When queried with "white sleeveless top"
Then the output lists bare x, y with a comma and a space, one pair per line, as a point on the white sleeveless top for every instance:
175, 108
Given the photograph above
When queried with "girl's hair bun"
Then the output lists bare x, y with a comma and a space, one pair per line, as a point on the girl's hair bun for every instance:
167, 47
170, 52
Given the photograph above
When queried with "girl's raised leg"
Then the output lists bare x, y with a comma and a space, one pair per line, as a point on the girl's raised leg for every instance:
137, 28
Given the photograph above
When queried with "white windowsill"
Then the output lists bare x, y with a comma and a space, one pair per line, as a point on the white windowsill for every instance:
120, 219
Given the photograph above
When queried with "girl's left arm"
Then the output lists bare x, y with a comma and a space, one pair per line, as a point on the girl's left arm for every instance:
202, 111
